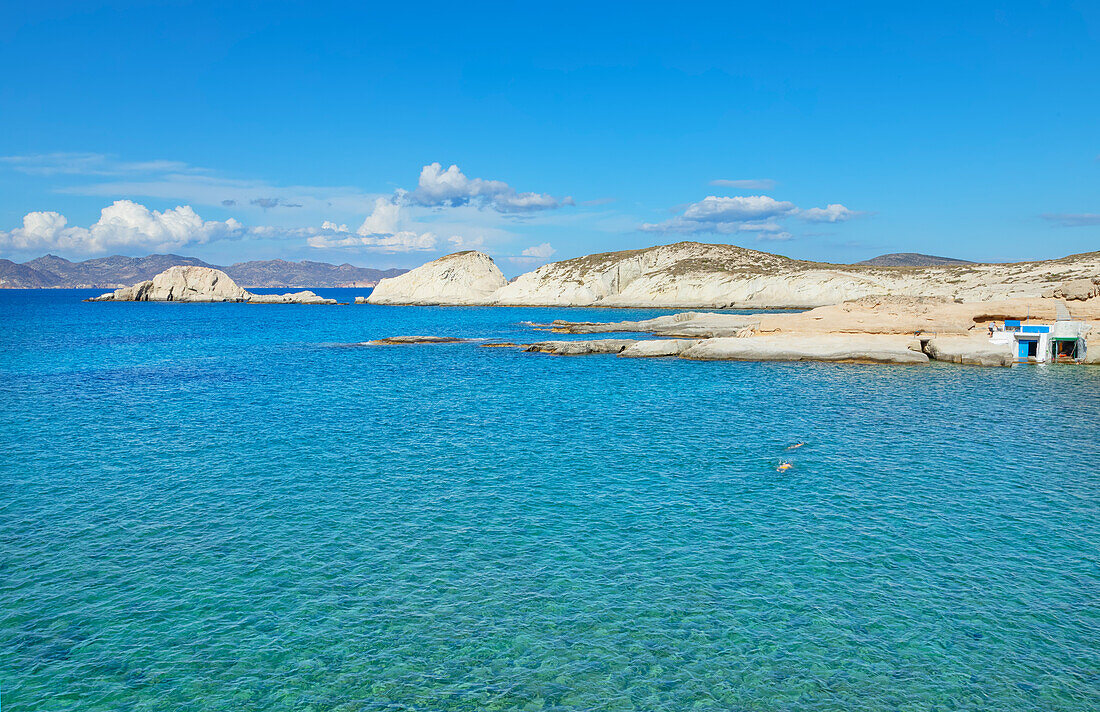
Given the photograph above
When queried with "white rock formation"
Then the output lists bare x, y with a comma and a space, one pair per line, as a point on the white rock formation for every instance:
694, 275
975, 351
464, 278
1080, 289
304, 297
181, 284
869, 348
870, 329
200, 284
657, 347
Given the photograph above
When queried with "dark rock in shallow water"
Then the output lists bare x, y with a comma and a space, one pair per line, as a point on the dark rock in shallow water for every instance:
582, 348
406, 340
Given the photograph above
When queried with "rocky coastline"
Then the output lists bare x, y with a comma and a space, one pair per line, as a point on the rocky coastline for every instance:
882, 330
853, 313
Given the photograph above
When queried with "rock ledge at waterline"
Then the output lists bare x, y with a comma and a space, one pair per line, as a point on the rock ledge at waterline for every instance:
898, 330
696, 275
201, 284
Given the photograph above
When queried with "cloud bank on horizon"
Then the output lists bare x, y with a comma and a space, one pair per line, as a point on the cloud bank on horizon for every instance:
122, 225
446, 211
390, 227
760, 214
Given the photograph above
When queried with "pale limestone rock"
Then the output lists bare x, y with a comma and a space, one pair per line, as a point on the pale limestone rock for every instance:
361, 300
974, 351
869, 315
695, 275
189, 283
181, 284
657, 348
870, 348
1092, 346
1078, 289
304, 297
685, 324
464, 278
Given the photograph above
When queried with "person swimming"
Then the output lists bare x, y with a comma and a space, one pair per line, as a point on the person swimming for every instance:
784, 466
797, 445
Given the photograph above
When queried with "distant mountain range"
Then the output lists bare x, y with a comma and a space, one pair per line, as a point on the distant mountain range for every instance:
118, 271
911, 259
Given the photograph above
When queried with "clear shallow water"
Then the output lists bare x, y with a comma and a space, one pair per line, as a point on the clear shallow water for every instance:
212, 507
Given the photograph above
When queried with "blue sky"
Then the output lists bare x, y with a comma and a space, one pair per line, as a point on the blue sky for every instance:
826, 131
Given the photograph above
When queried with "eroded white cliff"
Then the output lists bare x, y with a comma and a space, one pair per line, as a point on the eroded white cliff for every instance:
463, 278
690, 274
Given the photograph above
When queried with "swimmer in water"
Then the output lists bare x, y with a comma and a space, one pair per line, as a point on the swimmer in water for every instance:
796, 445
783, 467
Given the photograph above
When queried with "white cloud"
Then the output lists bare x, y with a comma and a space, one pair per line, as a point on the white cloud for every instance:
542, 251
746, 184
383, 220
122, 225
738, 208
243, 195
381, 231
832, 213
751, 213
473, 211
401, 241
89, 164
1073, 219
451, 187
466, 243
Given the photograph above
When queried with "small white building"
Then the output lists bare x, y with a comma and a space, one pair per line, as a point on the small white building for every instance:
1067, 340
1040, 343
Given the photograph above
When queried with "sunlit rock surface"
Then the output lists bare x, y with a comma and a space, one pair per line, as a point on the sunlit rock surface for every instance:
464, 278
696, 275
189, 283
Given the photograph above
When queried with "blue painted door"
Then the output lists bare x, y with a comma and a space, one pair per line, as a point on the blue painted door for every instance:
1022, 346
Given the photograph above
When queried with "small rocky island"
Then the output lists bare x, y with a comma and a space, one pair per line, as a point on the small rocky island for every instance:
188, 283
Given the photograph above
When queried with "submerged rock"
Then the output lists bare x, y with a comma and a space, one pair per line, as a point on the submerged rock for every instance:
407, 340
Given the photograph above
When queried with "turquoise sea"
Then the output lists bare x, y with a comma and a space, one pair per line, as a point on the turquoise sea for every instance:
227, 507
